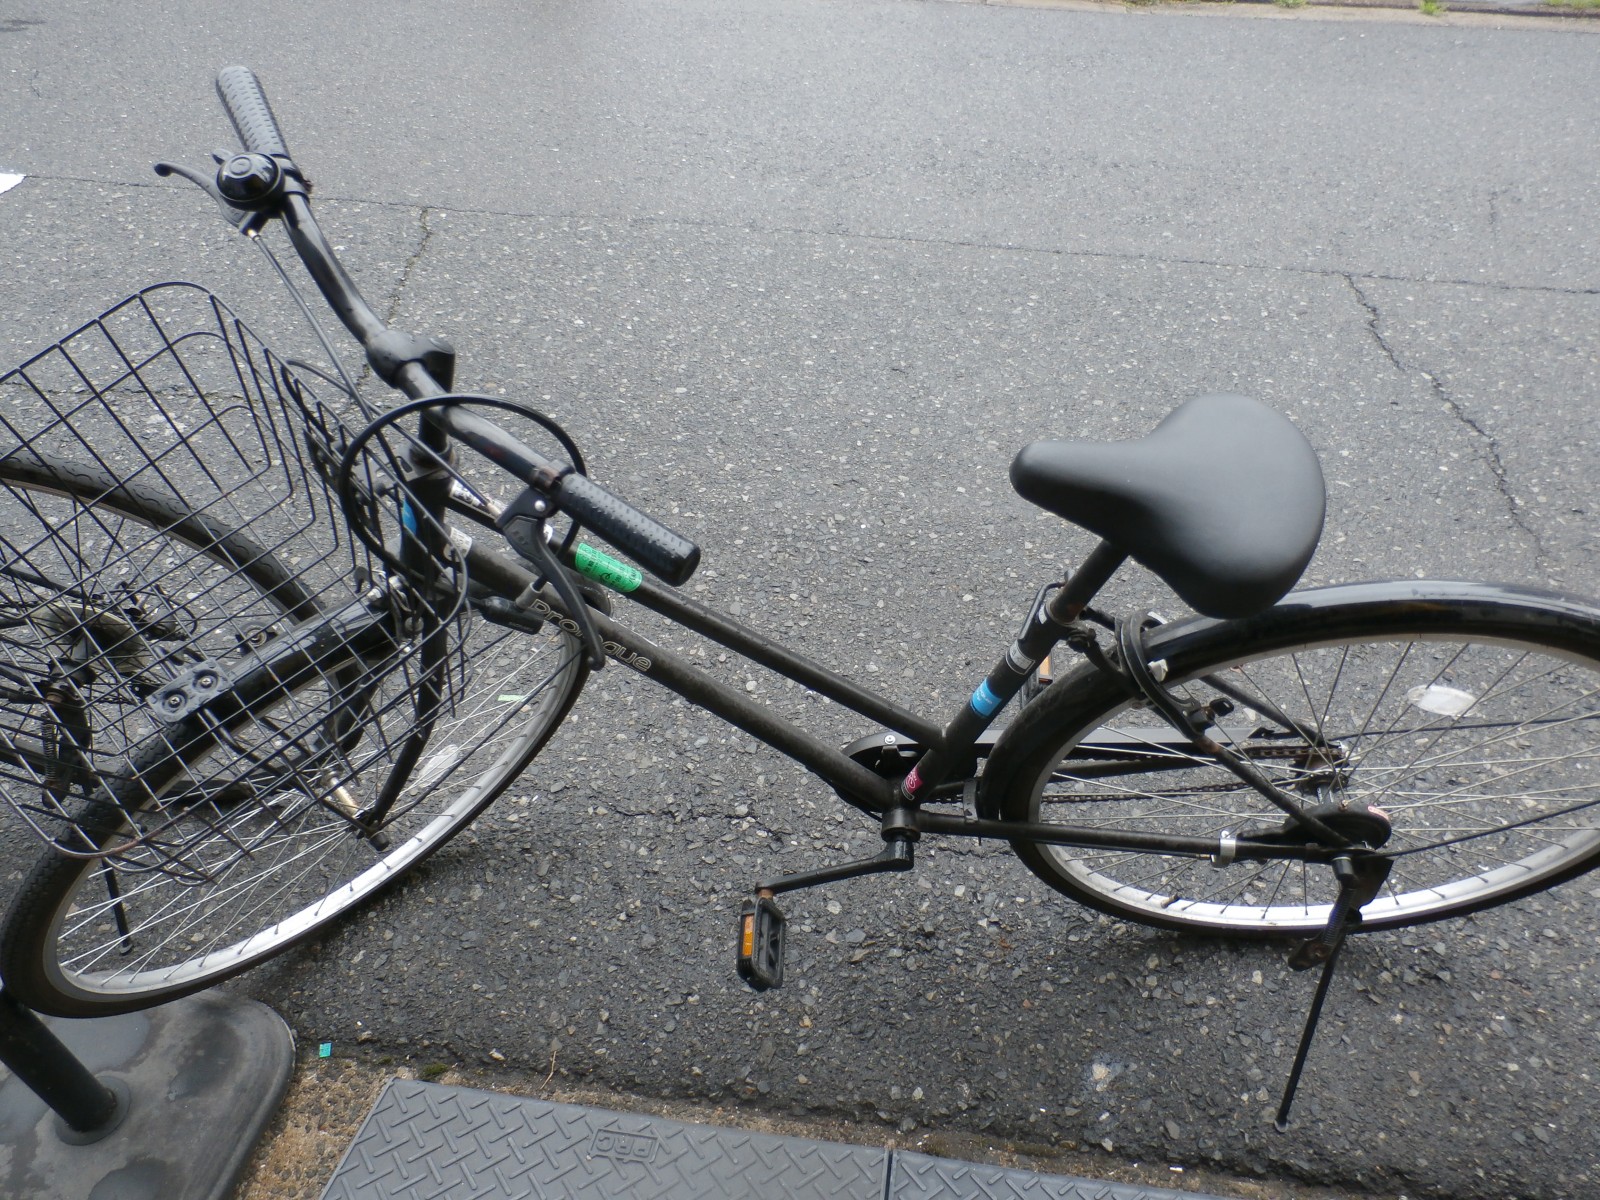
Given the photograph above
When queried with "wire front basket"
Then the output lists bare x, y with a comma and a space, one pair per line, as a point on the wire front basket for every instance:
193, 649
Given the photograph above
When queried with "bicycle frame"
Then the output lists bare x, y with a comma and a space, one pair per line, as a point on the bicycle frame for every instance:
877, 794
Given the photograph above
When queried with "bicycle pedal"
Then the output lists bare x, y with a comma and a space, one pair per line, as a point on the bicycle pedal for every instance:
1043, 676
761, 925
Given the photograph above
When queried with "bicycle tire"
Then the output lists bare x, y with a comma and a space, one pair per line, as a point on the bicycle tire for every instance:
62, 951
1469, 713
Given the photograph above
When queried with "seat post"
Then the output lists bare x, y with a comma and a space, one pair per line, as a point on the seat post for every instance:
1042, 631
1080, 588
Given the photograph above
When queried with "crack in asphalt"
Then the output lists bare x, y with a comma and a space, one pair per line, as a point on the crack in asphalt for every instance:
1491, 448
902, 239
410, 264
1374, 318
1012, 247
400, 287
1494, 208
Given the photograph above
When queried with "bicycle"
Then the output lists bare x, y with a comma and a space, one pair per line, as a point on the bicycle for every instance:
264, 653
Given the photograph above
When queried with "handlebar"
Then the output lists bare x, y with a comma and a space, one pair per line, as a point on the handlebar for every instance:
420, 367
249, 111
659, 550
665, 554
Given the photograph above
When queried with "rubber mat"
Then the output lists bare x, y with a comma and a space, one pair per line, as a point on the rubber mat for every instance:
426, 1141
919, 1177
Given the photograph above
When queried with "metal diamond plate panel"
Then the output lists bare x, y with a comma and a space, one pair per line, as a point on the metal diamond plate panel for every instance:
919, 1177
424, 1141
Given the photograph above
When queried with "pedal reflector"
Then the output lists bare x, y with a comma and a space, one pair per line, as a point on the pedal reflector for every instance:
760, 961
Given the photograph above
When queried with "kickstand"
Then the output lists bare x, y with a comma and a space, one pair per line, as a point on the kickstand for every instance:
1359, 881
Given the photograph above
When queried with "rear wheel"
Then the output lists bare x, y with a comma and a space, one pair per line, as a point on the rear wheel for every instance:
1469, 715
251, 848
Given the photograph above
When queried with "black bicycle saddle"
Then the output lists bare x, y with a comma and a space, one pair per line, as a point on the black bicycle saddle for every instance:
1224, 500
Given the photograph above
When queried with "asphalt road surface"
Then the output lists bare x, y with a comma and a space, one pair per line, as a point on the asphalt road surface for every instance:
802, 277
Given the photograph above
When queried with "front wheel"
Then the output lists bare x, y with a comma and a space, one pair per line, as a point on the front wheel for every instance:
256, 849
1468, 714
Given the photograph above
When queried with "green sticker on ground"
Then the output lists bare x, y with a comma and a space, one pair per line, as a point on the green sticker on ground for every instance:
602, 568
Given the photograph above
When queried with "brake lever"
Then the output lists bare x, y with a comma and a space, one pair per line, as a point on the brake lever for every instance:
246, 221
523, 524
249, 187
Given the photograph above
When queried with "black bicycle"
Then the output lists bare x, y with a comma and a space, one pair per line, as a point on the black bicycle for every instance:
264, 652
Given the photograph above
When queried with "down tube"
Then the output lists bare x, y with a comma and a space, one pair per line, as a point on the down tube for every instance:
859, 785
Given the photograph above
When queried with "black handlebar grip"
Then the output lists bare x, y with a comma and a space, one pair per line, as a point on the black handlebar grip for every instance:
649, 543
249, 111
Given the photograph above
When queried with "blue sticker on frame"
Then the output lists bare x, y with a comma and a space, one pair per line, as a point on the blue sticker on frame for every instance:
984, 702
